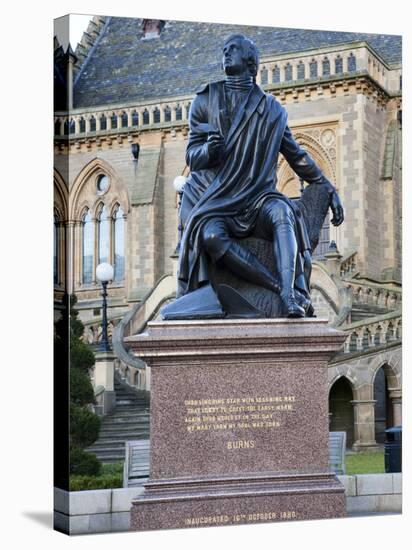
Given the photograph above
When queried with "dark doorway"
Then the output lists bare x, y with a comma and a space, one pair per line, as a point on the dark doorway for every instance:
383, 406
341, 409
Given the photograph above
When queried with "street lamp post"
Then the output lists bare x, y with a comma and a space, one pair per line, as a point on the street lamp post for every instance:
104, 273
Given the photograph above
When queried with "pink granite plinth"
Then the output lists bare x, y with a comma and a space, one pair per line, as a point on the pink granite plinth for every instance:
239, 422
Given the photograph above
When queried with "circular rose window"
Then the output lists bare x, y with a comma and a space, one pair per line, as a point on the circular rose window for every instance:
102, 184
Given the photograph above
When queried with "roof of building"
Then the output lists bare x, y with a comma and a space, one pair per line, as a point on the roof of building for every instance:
121, 67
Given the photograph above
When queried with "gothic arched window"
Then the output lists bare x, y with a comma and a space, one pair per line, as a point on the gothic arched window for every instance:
118, 239
301, 71
338, 65
168, 114
103, 122
288, 72
103, 236
276, 75
313, 68
351, 63
264, 76
88, 248
325, 67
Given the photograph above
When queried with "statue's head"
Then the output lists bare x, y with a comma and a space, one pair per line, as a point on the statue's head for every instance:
240, 54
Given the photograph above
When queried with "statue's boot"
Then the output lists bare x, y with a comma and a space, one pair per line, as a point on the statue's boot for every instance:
243, 263
285, 248
287, 295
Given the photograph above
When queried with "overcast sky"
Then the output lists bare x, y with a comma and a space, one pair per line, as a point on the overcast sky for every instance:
78, 24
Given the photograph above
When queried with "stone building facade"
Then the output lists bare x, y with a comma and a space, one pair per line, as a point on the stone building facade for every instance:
121, 128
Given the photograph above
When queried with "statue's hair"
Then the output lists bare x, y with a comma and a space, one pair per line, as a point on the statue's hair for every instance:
250, 50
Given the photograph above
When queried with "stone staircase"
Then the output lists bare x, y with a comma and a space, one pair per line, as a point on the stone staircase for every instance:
129, 421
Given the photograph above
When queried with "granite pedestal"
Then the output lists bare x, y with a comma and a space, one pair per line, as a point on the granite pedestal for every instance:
239, 423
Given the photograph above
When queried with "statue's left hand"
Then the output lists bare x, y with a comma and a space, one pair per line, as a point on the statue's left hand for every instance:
336, 207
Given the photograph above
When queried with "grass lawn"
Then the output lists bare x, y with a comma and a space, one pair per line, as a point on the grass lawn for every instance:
365, 463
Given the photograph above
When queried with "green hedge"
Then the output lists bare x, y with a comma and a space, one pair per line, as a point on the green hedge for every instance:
84, 426
110, 478
88, 483
82, 463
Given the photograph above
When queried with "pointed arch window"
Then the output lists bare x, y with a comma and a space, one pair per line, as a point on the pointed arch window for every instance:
135, 118
118, 239
103, 232
351, 63
288, 72
313, 68
301, 71
338, 65
87, 247
325, 67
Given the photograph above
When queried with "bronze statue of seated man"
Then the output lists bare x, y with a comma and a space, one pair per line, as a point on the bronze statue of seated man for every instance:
236, 134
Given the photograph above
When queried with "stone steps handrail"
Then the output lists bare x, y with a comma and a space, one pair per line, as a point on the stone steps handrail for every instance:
348, 264
134, 320
373, 320
373, 332
374, 294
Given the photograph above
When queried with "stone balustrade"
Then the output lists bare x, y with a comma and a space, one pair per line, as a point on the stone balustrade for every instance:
375, 295
348, 265
274, 72
92, 333
373, 332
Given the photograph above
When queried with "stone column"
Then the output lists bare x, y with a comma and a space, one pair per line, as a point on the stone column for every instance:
104, 376
396, 399
162, 112
364, 424
77, 125
333, 260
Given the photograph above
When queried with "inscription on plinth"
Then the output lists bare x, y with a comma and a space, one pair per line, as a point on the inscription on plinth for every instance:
239, 423
228, 419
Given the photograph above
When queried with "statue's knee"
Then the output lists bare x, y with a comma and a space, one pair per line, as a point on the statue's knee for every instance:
280, 213
212, 242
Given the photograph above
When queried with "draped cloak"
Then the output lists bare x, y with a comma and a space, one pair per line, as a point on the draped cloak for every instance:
235, 186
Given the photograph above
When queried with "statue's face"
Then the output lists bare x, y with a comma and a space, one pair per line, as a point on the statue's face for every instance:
233, 57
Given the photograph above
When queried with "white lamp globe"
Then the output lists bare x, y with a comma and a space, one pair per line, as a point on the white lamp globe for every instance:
104, 272
178, 183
